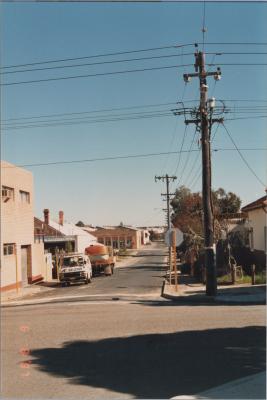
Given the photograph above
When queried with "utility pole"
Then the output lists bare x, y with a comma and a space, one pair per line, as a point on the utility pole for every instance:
167, 178
205, 123
168, 194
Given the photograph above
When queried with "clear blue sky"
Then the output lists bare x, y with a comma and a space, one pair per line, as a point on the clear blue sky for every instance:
108, 192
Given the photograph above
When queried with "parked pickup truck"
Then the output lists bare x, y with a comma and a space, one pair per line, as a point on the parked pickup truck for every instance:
102, 259
75, 267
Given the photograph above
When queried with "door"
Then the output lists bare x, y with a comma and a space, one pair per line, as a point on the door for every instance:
25, 265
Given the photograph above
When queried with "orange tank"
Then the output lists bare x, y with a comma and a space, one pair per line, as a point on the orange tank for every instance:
96, 249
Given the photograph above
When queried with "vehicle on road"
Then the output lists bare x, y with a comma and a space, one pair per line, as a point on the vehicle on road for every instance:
102, 259
75, 267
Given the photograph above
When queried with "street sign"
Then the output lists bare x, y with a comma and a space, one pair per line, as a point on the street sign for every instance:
179, 236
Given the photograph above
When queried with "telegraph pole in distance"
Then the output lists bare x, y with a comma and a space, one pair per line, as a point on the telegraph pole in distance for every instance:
167, 178
205, 127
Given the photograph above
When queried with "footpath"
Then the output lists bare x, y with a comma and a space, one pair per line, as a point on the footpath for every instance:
190, 291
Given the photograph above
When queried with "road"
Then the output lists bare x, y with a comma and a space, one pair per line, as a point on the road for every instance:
141, 275
136, 347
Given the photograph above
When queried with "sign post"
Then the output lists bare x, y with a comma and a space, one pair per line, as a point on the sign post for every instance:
173, 238
174, 258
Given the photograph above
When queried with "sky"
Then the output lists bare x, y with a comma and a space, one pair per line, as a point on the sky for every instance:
107, 192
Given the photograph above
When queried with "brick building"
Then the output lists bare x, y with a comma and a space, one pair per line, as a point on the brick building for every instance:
119, 237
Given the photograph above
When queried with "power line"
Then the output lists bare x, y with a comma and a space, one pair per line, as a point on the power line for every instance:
175, 129
238, 64
99, 55
115, 119
181, 150
140, 113
243, 158
188, 155
238, 43
132, 107
92, 64
237, 118
124, 157
93, 111
123, 72
95, 75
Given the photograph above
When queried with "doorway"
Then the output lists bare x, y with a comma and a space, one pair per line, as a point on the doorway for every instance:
26, 267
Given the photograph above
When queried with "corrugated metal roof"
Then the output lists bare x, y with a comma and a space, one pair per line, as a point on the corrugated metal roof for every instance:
259, 203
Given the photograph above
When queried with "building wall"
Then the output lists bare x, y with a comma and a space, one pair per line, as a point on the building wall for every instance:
257, 221
17, 224
119, 237
38, 262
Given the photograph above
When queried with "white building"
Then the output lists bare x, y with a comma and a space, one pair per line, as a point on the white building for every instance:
83, 239
257, 223
22, 261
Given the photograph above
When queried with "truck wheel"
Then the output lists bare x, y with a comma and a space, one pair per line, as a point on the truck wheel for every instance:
90, 279
86, 280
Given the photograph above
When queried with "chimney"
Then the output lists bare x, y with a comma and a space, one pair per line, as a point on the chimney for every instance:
46, 216
61, 217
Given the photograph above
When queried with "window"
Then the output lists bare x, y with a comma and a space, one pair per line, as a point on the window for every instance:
101, 240
129, 242
24, 196
115, 243
108, 241
9, 249
7, 193
122, 243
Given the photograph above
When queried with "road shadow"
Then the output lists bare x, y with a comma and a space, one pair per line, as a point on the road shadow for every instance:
158, 365
147, 267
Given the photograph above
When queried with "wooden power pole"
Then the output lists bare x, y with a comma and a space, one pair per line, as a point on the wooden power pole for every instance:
205, 124
167, 178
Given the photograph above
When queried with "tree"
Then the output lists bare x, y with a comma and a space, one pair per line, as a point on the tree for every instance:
80, 223
187, 209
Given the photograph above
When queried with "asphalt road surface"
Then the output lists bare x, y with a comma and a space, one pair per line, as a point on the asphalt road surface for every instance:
141, 275
130, 348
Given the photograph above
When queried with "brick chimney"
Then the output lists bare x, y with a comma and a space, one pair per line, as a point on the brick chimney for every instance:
61, 217
46, 216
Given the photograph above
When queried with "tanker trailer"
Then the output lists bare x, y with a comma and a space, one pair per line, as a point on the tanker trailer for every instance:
102, 259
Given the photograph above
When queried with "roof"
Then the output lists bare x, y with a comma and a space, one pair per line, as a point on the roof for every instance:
70, 229
47, 228
118, 227
260, 203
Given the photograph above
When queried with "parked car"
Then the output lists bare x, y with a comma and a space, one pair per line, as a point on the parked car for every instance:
75, 267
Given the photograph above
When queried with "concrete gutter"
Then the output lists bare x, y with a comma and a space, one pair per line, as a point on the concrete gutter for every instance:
83, 298
236, 294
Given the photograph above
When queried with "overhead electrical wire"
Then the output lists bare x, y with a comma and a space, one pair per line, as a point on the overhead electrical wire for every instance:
120, 157
188, 156
198, 173
243, 158
96, 63
99, 55
131, 52
115, 119
93, 111
175, 128
132, 107
122, 72
94, 119
95, 75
